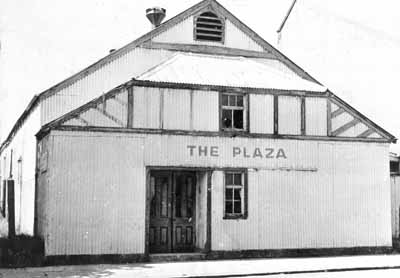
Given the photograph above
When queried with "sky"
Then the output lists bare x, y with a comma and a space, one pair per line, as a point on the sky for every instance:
45, 41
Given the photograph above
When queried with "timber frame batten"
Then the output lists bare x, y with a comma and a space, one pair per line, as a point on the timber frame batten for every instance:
61, 123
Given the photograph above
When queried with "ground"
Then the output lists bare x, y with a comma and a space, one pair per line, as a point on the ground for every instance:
327, 267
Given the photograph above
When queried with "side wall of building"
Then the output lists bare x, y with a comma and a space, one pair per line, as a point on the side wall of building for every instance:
319, 195
395, 194
22, 168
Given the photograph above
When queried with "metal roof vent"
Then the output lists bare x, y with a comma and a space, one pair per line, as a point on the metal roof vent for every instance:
155, 15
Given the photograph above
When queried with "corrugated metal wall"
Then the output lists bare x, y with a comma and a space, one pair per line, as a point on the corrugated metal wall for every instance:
23, 147
175, 109
395, 194
319, 194
289, 115
345, 203
261, 113
183, 33
102, 80
96, 192
201, 209
316, 123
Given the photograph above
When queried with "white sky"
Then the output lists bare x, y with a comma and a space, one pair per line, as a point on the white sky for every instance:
45, 41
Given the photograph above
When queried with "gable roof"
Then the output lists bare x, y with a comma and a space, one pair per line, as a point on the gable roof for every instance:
145, 39
228, 71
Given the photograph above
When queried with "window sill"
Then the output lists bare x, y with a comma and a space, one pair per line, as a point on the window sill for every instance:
233, 217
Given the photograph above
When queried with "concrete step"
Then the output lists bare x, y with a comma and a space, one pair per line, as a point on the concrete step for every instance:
176, 257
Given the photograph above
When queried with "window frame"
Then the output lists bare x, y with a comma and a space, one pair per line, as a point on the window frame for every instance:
222, 41
246, 117
244, 213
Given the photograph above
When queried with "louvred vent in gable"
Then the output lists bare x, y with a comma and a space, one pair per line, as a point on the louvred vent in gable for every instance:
209, 27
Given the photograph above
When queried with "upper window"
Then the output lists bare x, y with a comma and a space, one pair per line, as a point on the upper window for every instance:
209, 27
233, 111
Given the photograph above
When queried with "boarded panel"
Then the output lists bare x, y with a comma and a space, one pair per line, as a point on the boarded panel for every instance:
205, 110
261, 113
176, 109
289, 115
316, 120
98, 205
146, 107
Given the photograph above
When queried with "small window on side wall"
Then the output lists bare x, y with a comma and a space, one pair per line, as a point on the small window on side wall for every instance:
209, 27
233, 112
235, 194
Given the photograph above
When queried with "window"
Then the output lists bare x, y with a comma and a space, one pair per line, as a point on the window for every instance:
209, 27
394, 167
233, 111
235, 197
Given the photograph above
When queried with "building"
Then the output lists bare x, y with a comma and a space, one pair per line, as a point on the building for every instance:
343, 42
208, 140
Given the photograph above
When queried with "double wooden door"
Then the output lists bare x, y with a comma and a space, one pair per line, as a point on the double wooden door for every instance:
172, 211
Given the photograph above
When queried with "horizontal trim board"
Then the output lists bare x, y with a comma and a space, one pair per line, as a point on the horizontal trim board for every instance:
208, 49
205, 87
94, 259
306, 252
219, 255
211, 134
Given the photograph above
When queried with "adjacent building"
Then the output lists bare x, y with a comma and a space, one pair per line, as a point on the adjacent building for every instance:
207, 139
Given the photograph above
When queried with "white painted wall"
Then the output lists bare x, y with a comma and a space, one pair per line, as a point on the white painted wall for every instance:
23, 146
323, 194
95, 195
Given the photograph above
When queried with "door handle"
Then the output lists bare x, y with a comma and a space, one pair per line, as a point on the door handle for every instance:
190, 220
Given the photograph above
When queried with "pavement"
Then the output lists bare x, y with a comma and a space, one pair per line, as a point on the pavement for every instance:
296, 267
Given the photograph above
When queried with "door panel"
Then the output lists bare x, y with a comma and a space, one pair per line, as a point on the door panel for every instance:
160, 213
172, 211
183, 212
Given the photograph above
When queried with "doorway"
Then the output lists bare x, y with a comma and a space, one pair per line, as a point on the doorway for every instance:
172, 211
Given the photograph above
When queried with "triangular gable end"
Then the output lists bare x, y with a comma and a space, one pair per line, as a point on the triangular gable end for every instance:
345, 121
227, 32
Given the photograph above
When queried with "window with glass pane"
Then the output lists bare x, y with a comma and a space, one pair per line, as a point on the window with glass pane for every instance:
234, 194
233, 111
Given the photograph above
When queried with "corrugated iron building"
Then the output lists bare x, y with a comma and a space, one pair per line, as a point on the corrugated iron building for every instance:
208, 139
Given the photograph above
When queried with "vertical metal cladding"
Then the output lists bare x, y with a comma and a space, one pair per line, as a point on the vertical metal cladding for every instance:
23, 147
205, 110
315, 122
261, 113
183, 33
289, 115
344, 203
176, 109
395, 195
97, 189
100, 81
